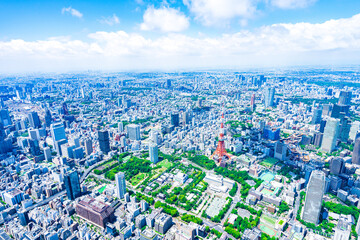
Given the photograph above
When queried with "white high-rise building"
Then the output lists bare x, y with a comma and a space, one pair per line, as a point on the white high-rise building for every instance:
314, 196
153, 152
154, 136
269, 97
47, 153
133, 131
354, 130
357, 228
120, 185
331, 133
121, 127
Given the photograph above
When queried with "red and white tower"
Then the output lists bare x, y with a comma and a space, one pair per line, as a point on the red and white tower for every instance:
220, 152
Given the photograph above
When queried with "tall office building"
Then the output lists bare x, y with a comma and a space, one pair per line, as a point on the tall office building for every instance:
5, 117
357, 228
153, 152
88, 146
316, 117
336, 166
47, 154
331, 133
252, 102
174, 119
104, 141
269, 97
65, 108
280, 151
345, 98
58, 135
339, 110
120, 185
23, 217
34, 120
72, 185
57, 131
345, 125
356, 152
314, 197
354, 130
121, 127
168, 83
47, 117
133, 131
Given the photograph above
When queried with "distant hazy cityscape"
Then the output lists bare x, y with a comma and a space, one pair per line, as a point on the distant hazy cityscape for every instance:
251, 155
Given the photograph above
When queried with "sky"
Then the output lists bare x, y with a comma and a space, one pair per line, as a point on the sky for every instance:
143, 35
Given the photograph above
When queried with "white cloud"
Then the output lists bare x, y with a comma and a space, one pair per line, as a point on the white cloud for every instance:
72, 11
217, 12
112, 20
164, 19
334, 41
292, 4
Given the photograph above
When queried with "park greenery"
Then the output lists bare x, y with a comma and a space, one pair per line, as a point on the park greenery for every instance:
116, 160
167, 209
233, 190
342, 209
284, 207
250, 209
191, 218
240, 177
131, 168
178, 194
241, 224
149, 200
202, 161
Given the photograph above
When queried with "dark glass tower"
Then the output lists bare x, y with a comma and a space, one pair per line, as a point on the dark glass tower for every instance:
72, 185
104, 141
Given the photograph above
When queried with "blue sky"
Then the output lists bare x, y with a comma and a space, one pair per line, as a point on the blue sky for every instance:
142, 34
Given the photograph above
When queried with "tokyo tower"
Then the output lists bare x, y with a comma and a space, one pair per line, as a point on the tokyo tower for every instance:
220, 152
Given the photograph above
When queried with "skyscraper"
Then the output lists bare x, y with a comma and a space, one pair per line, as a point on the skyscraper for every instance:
354, 129
34, 120
356, 152
314, 196
153, 152
5, 117
269, 97
174, 119
357, 228
345, 125
252, 102
345, 98
72, 185
47, 117
57, 131
58, 135
133, 131
104, 141
336, 166
316, 117
331, 133
120, 185
88, 146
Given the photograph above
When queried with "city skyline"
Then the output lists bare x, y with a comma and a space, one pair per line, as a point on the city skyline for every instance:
166, 35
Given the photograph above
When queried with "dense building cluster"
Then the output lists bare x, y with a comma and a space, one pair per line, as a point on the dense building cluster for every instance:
180, 156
